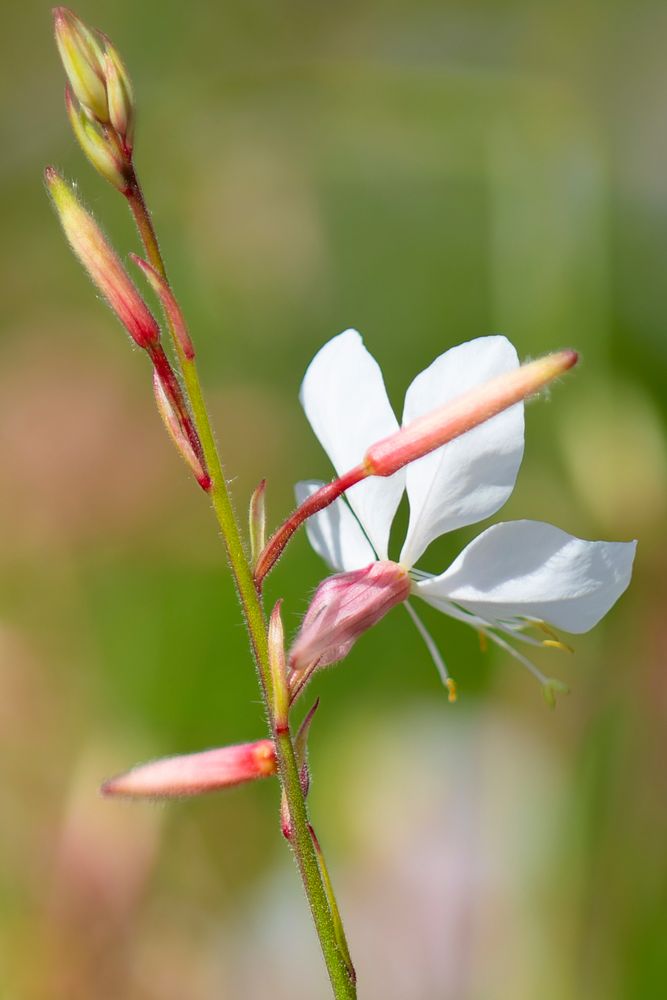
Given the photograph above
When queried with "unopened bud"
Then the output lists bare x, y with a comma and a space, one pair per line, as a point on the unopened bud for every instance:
177, 434
196, 773
471, 408
83, 61
343, 607
279, 685
108, 274
119, 95
169, 304
257, 520
99, 148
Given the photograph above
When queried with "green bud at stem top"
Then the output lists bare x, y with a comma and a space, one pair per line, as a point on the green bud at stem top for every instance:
99, 148
83, 61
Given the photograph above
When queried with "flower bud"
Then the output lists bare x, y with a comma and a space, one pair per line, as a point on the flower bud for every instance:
177, 434
83, 61
195, 773
257, 520
471, 408
279, 685
91, 247
119, 95
343, 607
171, 307
104, 154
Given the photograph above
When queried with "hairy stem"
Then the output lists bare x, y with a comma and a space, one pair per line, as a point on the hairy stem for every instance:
335, 955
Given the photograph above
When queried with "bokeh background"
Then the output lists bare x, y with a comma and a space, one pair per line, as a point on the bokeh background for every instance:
426, 172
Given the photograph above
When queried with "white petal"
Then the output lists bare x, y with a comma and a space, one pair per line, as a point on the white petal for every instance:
471, 477
529, 569
346, 403
335, 533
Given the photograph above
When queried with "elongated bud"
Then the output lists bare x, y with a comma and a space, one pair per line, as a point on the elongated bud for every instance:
177, 434
196, 773
91, 247
83, 61
434, 429
169, 304
119, 95
280, 687
257, 520
343, 607
102, 153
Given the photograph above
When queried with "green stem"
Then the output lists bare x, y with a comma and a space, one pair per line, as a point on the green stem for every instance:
335, 956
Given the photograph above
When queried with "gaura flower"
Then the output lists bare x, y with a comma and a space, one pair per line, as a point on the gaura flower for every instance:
513, 577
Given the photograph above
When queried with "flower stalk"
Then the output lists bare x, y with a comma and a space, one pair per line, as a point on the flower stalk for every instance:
336, 958
101, 88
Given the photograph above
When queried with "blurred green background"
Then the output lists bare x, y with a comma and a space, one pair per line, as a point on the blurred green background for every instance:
426, 172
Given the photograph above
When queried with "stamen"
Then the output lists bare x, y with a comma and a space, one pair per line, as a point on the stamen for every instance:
433, 650
557, 644
518, 656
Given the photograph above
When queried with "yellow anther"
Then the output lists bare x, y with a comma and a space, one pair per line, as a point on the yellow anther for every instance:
483, 642
547, 629
451, 689
557, 644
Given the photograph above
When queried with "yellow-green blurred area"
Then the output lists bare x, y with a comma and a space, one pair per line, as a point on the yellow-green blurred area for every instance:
428, 173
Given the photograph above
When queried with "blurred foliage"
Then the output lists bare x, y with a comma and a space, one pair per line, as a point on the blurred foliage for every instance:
427, 172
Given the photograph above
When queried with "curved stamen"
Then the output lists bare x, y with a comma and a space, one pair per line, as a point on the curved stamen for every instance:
433, 650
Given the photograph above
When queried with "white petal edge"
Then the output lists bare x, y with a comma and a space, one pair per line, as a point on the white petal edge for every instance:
469, 478
529, 569
335, 533
345, 400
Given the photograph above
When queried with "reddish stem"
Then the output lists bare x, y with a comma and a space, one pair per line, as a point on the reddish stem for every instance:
316, 502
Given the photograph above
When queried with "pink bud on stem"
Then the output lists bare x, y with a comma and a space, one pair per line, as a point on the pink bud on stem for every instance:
279, 685
100, 261
196, 773
169, 304
422, 436
175, 430
436, 428
172, 390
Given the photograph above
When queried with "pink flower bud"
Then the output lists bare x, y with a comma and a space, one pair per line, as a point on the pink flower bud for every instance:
108, 274
169, 304
174, 427
471, 408
195, 773
343, 608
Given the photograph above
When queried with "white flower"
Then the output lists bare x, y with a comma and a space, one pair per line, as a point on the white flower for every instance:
514, 574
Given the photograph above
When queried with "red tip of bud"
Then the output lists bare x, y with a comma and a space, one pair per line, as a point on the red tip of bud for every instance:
570, 358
